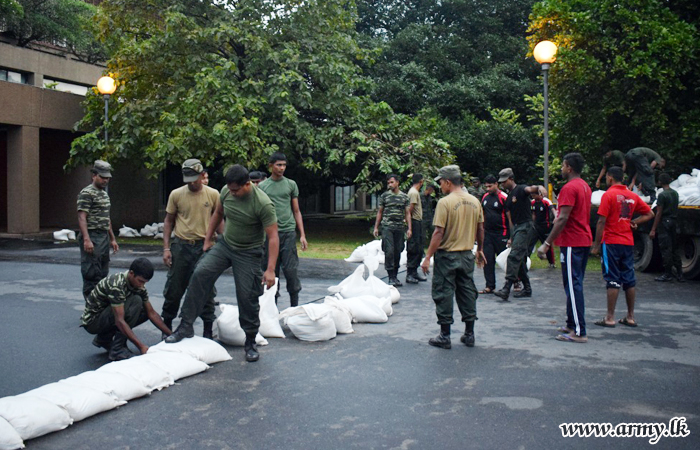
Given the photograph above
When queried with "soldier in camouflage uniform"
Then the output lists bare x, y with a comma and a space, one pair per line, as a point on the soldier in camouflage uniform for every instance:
96, 235
393, 215
426, 199
116, 306
476, 188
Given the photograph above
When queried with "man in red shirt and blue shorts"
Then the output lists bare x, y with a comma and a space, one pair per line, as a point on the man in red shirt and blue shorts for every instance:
572, 233
616, 222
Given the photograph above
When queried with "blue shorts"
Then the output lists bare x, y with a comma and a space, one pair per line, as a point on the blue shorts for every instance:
618, 266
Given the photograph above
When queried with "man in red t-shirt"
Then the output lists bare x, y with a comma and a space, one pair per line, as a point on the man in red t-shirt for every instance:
615, 225
572, 233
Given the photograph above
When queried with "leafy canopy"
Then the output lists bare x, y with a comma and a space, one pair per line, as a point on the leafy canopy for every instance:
234, 81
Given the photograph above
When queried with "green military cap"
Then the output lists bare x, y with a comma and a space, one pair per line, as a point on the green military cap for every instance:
102, 168
504, 174
448, 172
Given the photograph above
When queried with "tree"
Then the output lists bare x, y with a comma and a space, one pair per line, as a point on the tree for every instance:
235, 81
63, 22
465, 60
625, 76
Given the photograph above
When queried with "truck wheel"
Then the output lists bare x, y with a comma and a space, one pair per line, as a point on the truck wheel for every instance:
643, 251
689, 247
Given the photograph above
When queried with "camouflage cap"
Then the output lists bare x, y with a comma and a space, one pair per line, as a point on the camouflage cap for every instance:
448, 173
504, 174
102, 168
191, 170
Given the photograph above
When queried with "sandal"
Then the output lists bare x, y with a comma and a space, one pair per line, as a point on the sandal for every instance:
627, 322
565, 330
572, 338
603, 323
486, 291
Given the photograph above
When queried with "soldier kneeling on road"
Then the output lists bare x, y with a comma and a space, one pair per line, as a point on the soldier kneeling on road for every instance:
117, 305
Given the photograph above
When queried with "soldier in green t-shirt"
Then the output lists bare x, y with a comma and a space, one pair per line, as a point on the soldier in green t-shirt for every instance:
284, 194
665, 227
393, 215
611, 158
639, 164
250, 218
96, 235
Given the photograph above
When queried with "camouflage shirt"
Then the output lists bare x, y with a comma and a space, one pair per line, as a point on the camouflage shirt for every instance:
95, 202
394, 214
111, 291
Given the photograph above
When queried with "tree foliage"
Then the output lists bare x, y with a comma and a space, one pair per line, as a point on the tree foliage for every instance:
63, 22
465, 60
625, 76
233, 81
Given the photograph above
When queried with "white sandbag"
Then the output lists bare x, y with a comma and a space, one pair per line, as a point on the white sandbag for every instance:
374, 248
159, 235
150, 376
404, 258
357, 255
32, 416
229, 326
432, 260
394, 294
148, 231
80, 402
205, 350
365, 311
269, 314
383, 302
502, 260
123, 387
178, 365
311, 322
125, 231
596, 196
355, 277
372, 263
378, 288
64, 235
356, 285
342, 316
9, 437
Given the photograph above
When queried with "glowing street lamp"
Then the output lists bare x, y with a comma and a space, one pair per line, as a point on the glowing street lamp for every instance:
545, 53
106, 85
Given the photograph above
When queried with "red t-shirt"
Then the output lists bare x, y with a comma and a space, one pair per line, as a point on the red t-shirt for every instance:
618, 206
577, 231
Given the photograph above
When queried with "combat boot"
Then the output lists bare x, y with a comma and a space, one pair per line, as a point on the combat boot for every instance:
441, 341
468, 336
251, 349
184, 330
294, 299
411, 278
208, 330
168, 323
526, 291
104, 340
505, 292
119, 350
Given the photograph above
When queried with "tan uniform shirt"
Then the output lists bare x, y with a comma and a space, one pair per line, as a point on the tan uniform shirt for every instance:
459, 214
192, 211
414, 198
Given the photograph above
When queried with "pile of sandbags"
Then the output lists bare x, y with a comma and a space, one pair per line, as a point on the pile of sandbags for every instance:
55, 406
374, 249
688, 188
230, 331
154, 230
125, 231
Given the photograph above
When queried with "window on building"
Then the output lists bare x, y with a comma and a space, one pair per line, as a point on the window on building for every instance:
13, 77
343, 198
65, 87
373, 201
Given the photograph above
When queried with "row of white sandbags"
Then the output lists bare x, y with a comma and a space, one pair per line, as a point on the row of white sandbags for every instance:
230, 331
55, 406
64, 235
153, 230
687, 186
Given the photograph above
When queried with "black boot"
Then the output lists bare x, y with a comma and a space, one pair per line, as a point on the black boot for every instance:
251, 349
468, 336
208, 333
505, 292
526, 291
104, 340
294, 299
119, 349
420, 275
442, 341
679, 275
411, 277
664, 277
168, 323
184, 330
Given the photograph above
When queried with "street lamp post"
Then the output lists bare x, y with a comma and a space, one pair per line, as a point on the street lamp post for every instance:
545, 53
106, 86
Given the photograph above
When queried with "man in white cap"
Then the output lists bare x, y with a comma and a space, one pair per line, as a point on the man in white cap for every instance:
96, 235
188, 213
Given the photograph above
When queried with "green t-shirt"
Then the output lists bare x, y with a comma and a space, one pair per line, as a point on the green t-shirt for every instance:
668, 200
95, 202
247, 218
394, 213
616, 158
281, 192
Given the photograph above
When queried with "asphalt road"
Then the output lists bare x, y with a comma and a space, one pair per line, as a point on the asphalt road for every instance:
381, 387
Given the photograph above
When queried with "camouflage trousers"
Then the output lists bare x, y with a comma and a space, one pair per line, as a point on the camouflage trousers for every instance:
134, 315
95, 266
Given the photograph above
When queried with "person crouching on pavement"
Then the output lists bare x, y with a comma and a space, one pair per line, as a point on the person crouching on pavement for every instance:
250, 217
117, 305
458, 221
